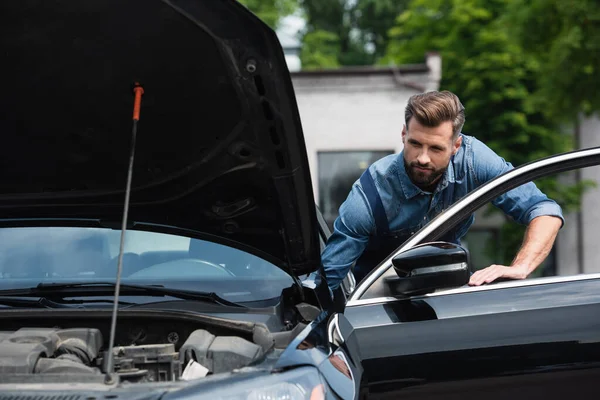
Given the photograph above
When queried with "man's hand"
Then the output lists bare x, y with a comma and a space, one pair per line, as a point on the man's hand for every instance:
493, 272
538, 241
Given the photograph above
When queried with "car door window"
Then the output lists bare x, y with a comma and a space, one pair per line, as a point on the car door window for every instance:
577, 190
496, 239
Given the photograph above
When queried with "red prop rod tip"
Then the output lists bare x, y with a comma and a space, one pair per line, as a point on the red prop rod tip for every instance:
138, 90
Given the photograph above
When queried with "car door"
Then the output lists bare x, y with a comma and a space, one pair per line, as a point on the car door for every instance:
528, 339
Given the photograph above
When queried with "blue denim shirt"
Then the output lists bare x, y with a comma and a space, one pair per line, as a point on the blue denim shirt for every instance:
408, 208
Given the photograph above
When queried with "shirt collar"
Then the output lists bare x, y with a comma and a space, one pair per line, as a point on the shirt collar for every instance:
410, 190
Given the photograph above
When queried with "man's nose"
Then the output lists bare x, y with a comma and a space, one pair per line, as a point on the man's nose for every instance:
423, 158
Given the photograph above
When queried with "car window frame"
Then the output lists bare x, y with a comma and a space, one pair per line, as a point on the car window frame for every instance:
474, 200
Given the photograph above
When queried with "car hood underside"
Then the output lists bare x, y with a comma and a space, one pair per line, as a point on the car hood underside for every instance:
219, 153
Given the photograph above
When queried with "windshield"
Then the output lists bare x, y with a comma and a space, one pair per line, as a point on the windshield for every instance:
29, 256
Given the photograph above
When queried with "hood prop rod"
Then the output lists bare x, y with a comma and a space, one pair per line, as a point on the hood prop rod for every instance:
138, 91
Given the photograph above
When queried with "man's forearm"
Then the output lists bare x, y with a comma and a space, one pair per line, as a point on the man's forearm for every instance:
537, 243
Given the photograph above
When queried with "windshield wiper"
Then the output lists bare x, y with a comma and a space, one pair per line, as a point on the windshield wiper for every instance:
76, 289
44, 302
27, 303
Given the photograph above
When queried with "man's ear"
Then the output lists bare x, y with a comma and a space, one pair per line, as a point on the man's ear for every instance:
403, 133
457, 144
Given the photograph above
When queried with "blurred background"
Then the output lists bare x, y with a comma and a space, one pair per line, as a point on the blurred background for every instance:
527, 72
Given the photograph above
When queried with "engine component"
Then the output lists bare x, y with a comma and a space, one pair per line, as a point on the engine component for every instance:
84, 343
63, 365
150, 363
220, 353
77, 353
22, 351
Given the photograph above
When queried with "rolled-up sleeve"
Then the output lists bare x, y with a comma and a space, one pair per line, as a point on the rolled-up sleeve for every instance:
523, 203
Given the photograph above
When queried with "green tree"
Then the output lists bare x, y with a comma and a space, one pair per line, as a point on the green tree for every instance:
353, 32
565, 38
485, 67
320, 49
271, 11
495, 79
374, 18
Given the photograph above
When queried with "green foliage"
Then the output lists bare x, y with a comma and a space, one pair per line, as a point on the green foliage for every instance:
320, 49
496, 80
488, 70
374, 18
271, 11
565, 38
330, 22
359, 30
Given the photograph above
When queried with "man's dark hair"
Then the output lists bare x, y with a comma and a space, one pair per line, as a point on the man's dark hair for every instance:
433, 108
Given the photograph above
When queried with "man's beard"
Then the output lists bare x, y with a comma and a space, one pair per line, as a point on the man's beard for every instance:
423, 179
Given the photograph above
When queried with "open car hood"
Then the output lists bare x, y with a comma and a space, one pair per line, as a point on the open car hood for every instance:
220, 151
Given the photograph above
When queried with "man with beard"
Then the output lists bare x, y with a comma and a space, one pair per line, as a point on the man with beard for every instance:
400, 193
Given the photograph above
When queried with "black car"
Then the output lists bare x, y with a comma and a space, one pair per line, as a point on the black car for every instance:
217, 296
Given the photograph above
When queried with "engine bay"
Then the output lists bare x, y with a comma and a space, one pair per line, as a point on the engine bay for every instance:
79, 351
146, 349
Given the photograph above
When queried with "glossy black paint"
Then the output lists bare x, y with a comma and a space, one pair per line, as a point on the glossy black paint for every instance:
525, 340
220, 151
498, 338
429, 255
429, 267
536, 339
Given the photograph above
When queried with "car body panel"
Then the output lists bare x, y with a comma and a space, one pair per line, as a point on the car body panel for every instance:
521, 339
507, 339
472, 348
219, 152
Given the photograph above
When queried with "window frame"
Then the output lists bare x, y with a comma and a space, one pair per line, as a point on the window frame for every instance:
373, 282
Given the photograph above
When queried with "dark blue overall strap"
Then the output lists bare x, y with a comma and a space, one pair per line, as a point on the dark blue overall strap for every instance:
368, 186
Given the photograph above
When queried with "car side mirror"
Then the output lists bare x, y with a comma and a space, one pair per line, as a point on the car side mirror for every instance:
428, 267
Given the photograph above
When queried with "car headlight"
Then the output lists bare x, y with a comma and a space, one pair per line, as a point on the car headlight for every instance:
303, 383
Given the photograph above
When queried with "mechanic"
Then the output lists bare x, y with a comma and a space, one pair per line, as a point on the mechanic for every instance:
400, 193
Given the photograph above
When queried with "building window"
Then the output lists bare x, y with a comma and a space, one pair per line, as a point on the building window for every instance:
338, 170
